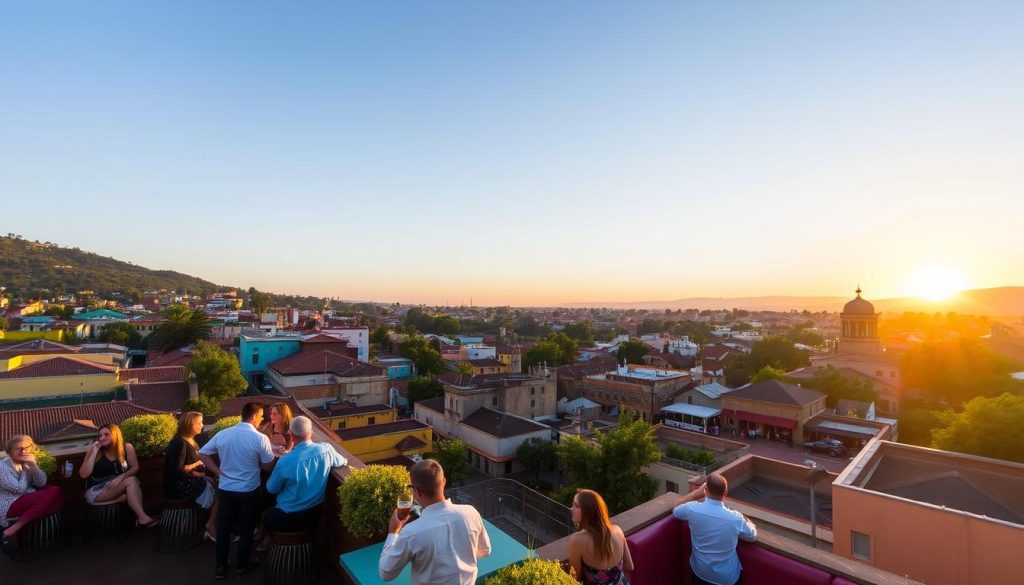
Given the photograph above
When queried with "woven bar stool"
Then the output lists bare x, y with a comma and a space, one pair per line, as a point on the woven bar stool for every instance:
106, 520
291, 560
42, 537
181, 527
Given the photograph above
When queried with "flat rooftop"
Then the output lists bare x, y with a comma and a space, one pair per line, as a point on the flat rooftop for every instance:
968, 483
784, 498
402, 426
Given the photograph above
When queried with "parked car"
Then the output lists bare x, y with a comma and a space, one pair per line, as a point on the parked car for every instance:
831, 446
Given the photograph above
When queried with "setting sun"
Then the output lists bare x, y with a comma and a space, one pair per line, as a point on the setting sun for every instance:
935, 283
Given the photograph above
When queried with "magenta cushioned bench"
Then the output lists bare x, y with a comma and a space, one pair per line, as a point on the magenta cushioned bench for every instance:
661, 555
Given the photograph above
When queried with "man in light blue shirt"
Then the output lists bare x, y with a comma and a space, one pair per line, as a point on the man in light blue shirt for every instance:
299, 480
714, 531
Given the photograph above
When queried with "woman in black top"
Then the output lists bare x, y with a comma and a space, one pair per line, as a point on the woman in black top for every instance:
184, 476
110, 469
183, 471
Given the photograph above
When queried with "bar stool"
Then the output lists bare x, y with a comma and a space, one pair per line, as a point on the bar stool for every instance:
291, 560
181, 527
42, 537
104, 520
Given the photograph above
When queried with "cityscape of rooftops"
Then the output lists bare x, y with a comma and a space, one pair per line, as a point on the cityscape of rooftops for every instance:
635, 249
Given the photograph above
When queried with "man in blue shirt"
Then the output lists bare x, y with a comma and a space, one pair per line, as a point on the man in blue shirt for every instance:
299, 480
714, 531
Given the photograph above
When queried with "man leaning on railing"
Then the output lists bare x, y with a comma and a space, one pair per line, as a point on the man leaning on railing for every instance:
714, 531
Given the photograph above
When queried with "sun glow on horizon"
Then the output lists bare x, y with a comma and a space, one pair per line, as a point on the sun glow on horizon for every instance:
935, 282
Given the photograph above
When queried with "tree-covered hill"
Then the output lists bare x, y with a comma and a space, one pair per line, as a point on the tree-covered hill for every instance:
27, 265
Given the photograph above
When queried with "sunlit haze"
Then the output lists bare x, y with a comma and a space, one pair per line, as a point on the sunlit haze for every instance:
524, 153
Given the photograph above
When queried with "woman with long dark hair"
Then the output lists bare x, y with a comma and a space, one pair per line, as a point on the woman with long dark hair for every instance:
598, 553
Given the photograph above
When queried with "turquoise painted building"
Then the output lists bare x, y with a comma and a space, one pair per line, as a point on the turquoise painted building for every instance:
100, 314
397, 368
254, 353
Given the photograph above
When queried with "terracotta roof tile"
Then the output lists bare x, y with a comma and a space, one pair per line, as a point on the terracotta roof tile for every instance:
58, 366
47, 424
164, 396
152, 374
501, 424
315, 362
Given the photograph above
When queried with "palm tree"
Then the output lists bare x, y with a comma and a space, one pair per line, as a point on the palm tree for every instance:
184, 326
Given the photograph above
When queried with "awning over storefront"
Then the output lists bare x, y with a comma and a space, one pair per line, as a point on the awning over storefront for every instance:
838, 429
762, 419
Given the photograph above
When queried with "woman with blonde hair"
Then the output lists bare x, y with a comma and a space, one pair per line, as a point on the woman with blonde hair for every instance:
277, 427
110, 470
598, 553
23, 491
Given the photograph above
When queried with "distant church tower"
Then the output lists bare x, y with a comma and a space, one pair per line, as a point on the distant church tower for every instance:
859, 332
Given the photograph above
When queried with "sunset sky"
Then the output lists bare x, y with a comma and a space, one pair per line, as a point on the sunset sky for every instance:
523, 153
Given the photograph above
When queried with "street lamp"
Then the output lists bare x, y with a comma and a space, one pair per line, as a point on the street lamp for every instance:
815, 475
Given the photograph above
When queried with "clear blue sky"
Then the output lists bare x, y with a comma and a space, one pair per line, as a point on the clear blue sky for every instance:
522, 153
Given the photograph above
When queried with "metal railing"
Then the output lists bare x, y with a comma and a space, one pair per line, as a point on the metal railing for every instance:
530, 517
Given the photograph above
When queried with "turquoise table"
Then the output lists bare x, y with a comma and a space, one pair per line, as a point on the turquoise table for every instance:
361, 565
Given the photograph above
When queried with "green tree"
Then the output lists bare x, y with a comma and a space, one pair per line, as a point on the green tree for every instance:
611, 464
582, 332
652, 326
545, 352
184, 326
423, 388
121, 334
916, 424
633, 351
566, 345
454, 459
777, 352
768, 373
953, 372
426, 359
259, 302
217, 372
536, 455
990, 427
380, 337
835, 385
464, 369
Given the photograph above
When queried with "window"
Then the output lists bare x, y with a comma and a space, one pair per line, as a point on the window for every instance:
533, 403
494, 401
689, 399
879, 373
341, 425
255, 357
892, 373
860, 545
533, 391
508, 468
371, 420
671, 487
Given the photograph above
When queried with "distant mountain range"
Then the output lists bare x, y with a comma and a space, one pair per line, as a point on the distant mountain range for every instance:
26, 265
1007, 301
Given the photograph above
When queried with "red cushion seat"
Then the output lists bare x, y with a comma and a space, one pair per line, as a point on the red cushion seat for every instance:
761, 565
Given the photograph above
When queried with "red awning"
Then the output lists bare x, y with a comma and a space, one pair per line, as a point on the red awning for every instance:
763, 419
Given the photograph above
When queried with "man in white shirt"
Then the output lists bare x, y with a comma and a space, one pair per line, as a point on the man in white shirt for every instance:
243, 452
443, 544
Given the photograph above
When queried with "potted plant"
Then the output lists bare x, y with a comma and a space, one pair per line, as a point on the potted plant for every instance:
149, 433
226, 422
367, 497
47, 463
531, 572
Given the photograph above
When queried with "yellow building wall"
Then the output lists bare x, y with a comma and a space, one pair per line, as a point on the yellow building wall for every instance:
377, 447
19, 336
57, 386
354, 421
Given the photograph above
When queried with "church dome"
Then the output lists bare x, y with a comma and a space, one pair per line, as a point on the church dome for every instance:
859, 306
